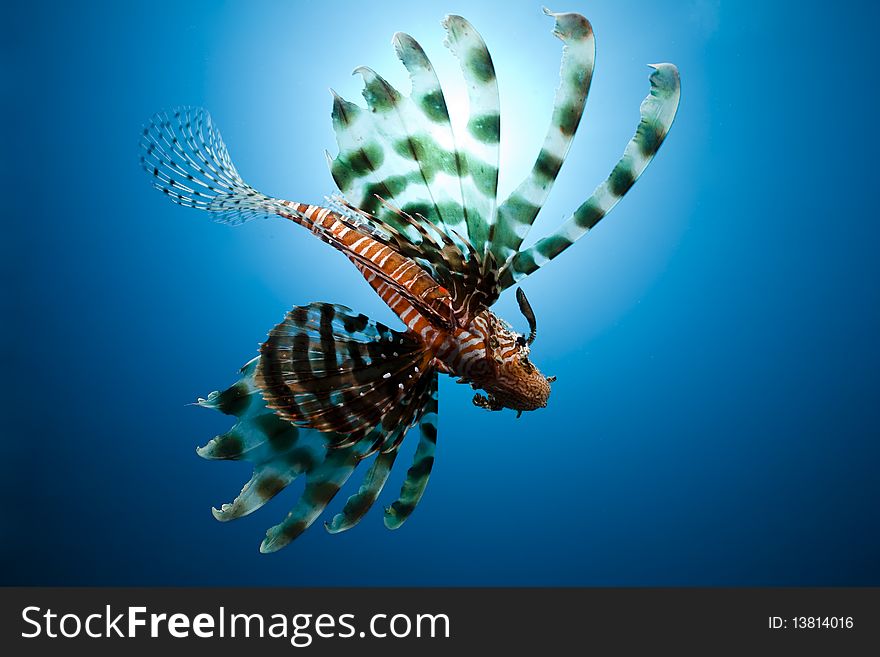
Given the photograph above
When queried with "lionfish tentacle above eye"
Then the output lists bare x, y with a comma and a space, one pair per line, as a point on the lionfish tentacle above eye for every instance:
187, 160
281, 451
657, 114
517, 213
526, 309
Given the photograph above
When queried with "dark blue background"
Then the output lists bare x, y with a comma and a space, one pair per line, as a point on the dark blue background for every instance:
715, 421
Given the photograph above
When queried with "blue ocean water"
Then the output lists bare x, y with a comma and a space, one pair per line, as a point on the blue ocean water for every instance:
715, 421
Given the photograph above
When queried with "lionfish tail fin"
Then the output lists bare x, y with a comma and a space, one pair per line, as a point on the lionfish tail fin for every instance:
300, 411
186, 158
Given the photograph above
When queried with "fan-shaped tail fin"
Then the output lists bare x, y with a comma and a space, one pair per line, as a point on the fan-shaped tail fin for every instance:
184, 154
657, 114
186, 157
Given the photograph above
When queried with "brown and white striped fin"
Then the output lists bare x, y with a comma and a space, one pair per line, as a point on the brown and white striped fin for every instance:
382, 258
329, 369
281, 452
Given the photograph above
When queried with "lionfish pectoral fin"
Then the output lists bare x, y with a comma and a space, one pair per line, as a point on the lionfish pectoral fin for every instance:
279, 451
321, 487
417, 476
358, 504
327, 368
319, 425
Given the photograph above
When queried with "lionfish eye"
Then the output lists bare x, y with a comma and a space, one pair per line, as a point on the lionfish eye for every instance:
520, 341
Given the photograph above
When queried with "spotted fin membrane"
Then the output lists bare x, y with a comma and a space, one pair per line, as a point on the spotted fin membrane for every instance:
332, 388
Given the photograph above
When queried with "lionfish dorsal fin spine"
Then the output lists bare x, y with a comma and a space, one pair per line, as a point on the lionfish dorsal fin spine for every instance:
399, 149
519, 210
657, 114
433, 143
355, 170
479, 142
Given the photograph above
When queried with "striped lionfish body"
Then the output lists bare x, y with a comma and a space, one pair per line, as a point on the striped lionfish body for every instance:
418, 216
481, 349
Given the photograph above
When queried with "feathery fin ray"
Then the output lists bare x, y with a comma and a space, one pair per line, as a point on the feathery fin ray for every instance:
280, 452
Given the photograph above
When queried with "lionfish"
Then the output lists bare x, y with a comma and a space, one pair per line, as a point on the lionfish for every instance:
419, 218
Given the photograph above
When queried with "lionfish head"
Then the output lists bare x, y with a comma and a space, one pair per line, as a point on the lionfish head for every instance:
516, 382
520, 385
